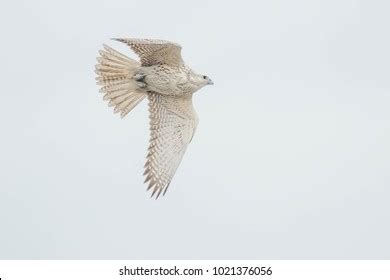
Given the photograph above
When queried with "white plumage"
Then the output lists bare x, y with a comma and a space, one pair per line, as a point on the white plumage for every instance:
169, 84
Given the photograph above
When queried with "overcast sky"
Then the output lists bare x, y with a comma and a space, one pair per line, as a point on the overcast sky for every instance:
290, 159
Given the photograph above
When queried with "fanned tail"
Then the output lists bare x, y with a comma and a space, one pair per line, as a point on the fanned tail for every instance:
115, 76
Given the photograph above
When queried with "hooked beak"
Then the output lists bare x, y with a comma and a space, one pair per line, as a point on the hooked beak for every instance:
210, 82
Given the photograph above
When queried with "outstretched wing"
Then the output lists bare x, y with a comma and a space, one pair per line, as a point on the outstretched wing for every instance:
172, 124
152, 52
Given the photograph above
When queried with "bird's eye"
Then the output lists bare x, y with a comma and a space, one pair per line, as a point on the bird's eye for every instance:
205, 77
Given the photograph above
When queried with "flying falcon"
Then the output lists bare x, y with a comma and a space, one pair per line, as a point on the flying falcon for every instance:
168, 83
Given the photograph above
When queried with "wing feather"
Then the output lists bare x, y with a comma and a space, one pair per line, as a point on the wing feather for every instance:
152, 52
172, 124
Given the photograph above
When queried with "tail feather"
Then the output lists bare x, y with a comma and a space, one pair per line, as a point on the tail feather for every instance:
115, 73
107, 62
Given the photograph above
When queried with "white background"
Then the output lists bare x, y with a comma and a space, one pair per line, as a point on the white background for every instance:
290, 159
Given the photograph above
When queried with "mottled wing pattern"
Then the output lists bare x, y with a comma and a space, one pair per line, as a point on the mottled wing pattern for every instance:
152, 52
172, 124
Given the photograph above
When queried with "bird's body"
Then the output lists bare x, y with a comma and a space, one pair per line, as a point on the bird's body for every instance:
169, 84
170, 79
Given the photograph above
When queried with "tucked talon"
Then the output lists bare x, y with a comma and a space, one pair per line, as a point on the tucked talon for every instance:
139, 77
140, 80
141, 84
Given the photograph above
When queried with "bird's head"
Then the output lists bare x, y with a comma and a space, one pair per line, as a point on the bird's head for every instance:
202, 80
207, 80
